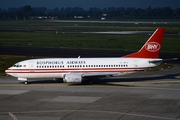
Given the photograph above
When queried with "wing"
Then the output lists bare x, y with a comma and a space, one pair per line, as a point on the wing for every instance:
78, 77
89, 74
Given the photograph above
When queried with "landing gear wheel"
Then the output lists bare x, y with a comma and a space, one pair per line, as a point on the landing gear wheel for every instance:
25, 82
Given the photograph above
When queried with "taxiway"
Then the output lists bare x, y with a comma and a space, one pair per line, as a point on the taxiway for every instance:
143, 95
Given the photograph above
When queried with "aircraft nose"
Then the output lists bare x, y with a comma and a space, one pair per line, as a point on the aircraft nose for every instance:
7, 71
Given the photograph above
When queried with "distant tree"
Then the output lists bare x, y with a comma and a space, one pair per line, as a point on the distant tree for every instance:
40, 11
139, 13
120, 12
131, 12
111, 11
93, 12
177, 12
78, 11
3, 14
26, 11
168, 12
68, 13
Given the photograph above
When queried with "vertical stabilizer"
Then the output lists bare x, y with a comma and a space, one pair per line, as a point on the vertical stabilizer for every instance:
151, 48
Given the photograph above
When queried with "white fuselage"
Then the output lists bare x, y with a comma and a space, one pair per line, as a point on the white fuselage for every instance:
58, 67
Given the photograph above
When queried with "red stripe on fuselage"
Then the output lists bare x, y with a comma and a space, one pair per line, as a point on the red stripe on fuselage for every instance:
21, 71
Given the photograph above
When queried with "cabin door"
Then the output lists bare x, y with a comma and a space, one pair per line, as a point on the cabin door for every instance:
31, 66
136, 64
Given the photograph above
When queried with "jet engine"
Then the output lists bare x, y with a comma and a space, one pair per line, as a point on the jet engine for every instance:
72, 78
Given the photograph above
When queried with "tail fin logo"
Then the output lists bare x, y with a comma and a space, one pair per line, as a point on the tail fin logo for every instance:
152, 46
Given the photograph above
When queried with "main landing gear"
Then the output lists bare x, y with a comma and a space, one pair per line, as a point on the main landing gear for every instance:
25, 82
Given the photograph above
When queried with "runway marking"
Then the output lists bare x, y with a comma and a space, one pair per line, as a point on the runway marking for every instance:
90, 111
13, 92
72, 99
13, 116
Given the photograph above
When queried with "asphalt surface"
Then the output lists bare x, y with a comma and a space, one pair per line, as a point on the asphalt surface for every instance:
139, 96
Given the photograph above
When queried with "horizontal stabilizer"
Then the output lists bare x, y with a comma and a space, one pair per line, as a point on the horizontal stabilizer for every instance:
170, 59
162, 60
156, 61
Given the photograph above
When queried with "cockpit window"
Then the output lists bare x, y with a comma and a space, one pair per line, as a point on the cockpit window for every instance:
17, 65
14, 65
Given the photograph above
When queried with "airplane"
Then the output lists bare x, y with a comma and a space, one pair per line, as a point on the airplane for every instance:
76, 70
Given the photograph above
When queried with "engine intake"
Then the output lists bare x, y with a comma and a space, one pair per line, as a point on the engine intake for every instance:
72, 78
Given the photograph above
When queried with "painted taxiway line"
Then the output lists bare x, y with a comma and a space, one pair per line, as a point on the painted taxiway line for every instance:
13, 92
32, 85
13, 116
107, 85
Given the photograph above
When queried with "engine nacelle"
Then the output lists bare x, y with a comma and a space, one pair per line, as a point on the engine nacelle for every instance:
72, 78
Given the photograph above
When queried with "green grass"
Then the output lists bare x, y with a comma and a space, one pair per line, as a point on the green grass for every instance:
171, 43
51, 25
